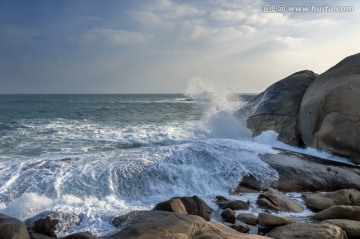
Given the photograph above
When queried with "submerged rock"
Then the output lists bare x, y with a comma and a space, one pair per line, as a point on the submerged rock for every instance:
12, 228
186, 205
329, 112
322, 201
162, 224
274, 199
277, 107
308, 231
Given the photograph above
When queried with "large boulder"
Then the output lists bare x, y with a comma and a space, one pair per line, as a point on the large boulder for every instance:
232, 204
168, 225
329, 111
12, 228
339, 212
351, 227
308, 231
186, 205
275, 200
247, 218
277, 107
321, 201
269, 220
300, 173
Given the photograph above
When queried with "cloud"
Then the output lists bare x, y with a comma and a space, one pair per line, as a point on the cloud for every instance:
228, 15
117, 37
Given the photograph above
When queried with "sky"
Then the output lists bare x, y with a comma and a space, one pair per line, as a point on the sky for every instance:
163, 46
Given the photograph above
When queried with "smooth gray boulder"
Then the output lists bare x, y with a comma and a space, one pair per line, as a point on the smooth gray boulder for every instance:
247, 218
169, 225
329, 112
12, 228
270, 220
276, 200
308, 231
351, 227
277, 107
339, 212
321, 201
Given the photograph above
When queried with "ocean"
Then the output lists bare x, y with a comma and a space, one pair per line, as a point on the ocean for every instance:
101, 156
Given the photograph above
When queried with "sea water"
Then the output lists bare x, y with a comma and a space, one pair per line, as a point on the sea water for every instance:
101, 156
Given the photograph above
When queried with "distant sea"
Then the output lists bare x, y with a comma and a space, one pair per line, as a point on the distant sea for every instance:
101, 156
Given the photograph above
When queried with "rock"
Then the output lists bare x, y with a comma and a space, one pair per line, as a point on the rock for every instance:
277, 107
228, 215
269, 220
240, 228
302, 173
233, 205
162, 224
12, 228
308, 231
50, 223
322, 201
188, 205
329, 111
274, 199
339, 212
34, 235
172, 205
247, 218
352, 228
80, 235
249, 183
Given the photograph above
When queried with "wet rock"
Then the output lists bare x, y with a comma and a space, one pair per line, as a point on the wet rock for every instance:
80, 235
232, 204
34, 235
277, 107
308, 231
49, 223
240, 228
351, 227
228, 215
247, 218
12, 228
274, 199
162, 224
186, 205
322, 201
303, 173
269, 220
329, 111
339, 212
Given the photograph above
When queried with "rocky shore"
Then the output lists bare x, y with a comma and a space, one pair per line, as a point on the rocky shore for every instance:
306, 109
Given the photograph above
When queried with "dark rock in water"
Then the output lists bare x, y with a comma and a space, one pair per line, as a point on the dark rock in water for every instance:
162, 224
186, 205
12, 228
247, 218
329, 111
339, 212
249, 183
322, 201
49, 223
274, 199
228, 215
351, 227
269, 220
34, 235
302, 173
308, 231
240, 228
233, 205
80, 235
277, 107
